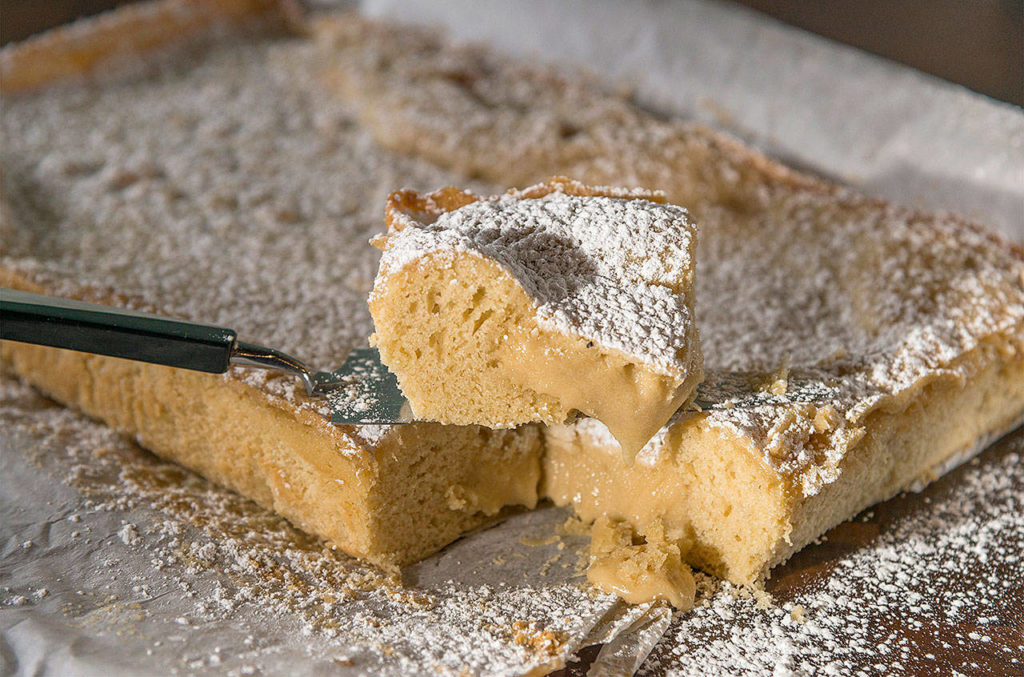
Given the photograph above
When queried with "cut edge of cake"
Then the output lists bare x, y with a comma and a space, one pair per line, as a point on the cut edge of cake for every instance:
390, 499
708, 486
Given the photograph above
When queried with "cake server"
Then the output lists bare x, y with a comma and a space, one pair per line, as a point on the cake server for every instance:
362, 391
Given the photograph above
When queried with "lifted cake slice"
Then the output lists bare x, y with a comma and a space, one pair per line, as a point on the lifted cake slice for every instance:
538, 304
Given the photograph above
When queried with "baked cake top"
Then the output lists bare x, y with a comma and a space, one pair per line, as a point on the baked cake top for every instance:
205, 186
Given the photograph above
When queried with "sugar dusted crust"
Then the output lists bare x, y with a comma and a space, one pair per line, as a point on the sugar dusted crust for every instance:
614, 249
86, 47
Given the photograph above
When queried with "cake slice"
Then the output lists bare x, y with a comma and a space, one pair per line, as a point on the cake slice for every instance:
852, 348
538, 304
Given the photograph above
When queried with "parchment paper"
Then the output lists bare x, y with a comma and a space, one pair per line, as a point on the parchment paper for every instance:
115, 563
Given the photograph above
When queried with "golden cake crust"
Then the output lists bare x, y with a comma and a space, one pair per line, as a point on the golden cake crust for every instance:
87, 46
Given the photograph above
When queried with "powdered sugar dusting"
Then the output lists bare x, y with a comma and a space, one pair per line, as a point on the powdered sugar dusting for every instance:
894, 301
604, 268
223, 186
958, 560
863, 301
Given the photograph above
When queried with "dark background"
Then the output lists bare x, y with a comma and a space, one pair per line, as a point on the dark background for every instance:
977, 43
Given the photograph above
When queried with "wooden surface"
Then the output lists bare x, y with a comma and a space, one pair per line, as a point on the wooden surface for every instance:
976, 43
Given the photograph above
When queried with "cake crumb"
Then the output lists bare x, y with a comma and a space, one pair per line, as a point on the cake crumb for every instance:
537, 639
574, 526
128, 534
639, 567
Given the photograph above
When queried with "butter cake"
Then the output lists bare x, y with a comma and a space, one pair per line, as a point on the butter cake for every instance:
538, 304
852, 348
217, 182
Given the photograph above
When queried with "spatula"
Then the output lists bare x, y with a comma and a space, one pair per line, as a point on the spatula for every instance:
362, 391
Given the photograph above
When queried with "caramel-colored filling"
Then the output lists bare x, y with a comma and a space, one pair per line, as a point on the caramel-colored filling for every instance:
632, 400
639, 568
705, 486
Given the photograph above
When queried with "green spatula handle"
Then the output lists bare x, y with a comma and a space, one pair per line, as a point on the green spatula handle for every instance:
118, 332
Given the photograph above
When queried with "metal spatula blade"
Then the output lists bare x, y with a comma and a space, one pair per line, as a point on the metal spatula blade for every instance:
363, 391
